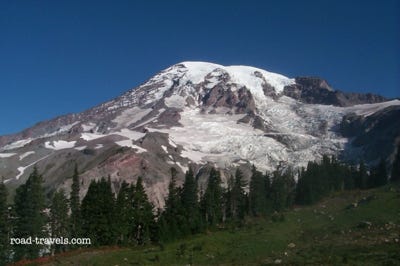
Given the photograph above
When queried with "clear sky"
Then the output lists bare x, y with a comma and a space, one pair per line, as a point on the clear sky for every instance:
59, 57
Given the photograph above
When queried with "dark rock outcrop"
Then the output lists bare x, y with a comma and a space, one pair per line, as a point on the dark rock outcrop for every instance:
315, 90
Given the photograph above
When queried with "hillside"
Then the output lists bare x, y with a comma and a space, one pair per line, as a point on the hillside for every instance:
347, 228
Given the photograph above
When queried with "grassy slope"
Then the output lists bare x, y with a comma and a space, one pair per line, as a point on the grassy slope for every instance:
324, 234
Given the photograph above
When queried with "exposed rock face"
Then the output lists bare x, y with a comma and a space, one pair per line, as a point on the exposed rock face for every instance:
375, 135
314, 90
200, 115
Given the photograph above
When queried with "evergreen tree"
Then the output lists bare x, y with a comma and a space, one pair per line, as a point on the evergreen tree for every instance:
228, 201
143, 216
395, 174
30, 219
59, 222
212, 201
98, 213
362, 177
4, 226
258, 194
379, 175
124, 212
75, 217
190, 204
238, 197
173, 220
283, 190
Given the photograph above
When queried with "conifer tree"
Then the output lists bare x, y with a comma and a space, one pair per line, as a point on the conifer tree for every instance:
379, 175
59, 222
228, 201
30, 219
75, 217
278, 191
362, 177
5, 251
173, 220
257, 193
190, 204
143, 216
238, 196
98, 213
124, 212
212, 201
395, 173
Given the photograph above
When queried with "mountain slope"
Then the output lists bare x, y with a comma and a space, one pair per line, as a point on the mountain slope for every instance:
195, 113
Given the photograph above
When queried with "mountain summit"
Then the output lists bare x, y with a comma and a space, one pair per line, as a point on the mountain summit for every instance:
198, 113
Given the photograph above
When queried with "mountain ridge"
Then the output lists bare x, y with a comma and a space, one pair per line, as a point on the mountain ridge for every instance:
196, 113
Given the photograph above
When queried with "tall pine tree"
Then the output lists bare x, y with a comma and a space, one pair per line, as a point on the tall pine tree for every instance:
143, 216
190, 204
238, 197
395, 174
30, 217
378, 176
212, 201
5, 251
59, 222
172, 221
75, 217
124, 212
98, 213
257, 193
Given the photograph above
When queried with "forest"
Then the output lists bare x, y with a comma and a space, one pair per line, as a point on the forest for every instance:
128, 218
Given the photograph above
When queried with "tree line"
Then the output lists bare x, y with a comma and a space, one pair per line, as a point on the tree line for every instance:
129, 218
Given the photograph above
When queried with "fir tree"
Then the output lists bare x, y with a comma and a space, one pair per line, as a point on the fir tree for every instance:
143, 216
98, 213
362, 177
212, 201
379, 175
75, 217
30, 218
190, 204
4, 226
173, 220
257, 194
395, 174
59, 219
124, 212
238, 196
282, 190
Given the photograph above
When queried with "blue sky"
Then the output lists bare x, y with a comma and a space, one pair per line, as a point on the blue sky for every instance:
59, 57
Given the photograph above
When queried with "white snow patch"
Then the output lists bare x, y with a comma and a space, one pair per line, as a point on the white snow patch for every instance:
98, 146
26, 154
22, 169
164, 148
175, 101
130, 134
369, 109
59, 144
91, 136
16, 144
242, 75
130, 116
172, 143
88, 127
129, 143
60, 130
6, 155
184, 168
80, 148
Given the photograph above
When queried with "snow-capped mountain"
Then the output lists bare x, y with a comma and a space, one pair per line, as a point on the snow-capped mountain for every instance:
195, 113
